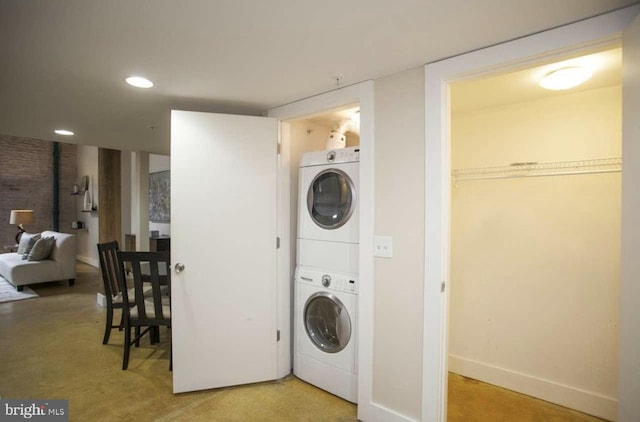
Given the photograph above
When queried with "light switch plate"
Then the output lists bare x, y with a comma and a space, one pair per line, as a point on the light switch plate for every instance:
383, 246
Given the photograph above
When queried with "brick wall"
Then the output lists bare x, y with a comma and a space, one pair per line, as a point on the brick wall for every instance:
26, 182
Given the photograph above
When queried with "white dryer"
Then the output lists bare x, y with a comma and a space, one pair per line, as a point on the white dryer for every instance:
326, 331
328, 215
328, 195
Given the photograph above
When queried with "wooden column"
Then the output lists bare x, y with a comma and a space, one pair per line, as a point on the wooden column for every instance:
109, 196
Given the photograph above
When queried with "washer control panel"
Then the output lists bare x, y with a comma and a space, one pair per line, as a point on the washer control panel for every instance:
331, 281
344, 284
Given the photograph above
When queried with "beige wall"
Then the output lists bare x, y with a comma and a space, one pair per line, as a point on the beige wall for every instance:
585, 125
88, 239
399, 212
535, 262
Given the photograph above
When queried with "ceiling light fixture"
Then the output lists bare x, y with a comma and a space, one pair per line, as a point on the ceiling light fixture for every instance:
64, 132
139, 82
565, 78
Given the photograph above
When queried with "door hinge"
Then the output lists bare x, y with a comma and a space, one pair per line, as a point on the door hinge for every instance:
442, 287
277, 243
279, 147
278, 335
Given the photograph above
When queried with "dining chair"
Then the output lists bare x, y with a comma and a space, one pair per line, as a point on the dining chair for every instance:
112, 285
149, 307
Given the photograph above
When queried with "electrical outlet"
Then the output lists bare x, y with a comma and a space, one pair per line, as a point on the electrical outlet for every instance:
383, 246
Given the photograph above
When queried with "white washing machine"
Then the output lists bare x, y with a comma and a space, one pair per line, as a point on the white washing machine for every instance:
328, 215
325, 327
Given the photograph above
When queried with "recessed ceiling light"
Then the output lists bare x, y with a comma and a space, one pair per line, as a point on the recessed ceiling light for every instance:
139, 82
64, 132
565, 78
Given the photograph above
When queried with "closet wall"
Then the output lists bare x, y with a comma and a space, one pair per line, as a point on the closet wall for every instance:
535, 261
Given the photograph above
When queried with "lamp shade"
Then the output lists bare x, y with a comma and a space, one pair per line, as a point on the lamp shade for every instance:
21, 217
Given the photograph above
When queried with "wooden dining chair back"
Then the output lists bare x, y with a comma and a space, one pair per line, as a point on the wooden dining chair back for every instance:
113, 285
150, 305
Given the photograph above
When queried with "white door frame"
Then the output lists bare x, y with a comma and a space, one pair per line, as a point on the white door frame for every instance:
601, 30
361, 93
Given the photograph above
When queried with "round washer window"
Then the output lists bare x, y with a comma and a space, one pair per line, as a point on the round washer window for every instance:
327, 322
331, 199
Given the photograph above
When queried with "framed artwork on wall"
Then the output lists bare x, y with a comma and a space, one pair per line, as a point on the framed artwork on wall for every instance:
160, 197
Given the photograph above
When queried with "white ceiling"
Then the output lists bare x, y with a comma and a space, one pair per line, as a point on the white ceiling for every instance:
522, 85
64, 61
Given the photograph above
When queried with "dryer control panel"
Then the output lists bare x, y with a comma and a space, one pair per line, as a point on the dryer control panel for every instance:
341, 282
341, 155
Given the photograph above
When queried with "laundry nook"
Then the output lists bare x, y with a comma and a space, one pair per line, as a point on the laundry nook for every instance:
326, 279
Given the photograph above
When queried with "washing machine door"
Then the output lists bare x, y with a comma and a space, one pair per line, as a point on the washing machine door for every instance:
327, 322
331, 199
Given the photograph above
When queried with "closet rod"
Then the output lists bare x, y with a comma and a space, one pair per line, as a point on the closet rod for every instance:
529, 169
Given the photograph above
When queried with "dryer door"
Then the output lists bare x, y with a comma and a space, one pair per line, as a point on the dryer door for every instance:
327, 322
331, 199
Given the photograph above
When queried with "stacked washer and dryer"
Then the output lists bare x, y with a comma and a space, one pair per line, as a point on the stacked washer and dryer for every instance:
326, 280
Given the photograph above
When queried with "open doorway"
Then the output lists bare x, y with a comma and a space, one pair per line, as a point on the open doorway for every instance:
578, 37
535, 232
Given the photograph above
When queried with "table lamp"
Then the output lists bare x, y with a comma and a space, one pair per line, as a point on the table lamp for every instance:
21, 217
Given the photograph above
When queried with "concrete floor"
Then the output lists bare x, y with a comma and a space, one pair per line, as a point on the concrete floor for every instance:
51, 348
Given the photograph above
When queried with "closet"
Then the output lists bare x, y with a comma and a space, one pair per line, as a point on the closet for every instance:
535, 245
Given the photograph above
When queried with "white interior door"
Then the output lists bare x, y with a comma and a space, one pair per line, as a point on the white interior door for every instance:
223, 230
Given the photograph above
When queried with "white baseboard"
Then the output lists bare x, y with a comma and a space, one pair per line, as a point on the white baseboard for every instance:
564, 395
374, 412
88, 260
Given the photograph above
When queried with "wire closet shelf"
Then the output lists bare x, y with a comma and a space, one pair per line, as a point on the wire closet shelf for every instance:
534, 169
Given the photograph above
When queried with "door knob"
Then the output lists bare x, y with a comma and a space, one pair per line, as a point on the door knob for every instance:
179, 268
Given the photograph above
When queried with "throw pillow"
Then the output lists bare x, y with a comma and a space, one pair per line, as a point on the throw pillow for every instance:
42, 249
27, 241
32, 241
